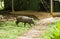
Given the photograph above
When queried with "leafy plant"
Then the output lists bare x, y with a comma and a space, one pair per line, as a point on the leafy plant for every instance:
53, 31
9, 30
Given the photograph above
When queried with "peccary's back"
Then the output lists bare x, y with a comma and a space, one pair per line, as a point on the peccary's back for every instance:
25, 19
22, 18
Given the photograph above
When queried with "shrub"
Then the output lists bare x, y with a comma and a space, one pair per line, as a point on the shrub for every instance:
53, 31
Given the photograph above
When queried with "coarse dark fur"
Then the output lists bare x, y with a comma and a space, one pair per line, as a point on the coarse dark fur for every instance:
25, 20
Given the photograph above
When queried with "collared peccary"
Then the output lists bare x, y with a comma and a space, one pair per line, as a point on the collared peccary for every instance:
25, 20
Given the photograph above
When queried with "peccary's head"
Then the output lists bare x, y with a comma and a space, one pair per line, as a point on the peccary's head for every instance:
32, 21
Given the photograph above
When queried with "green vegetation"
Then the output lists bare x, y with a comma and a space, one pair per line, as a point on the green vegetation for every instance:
9, 30
1, 5
53, 31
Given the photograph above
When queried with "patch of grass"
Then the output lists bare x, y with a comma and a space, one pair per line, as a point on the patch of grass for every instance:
9, 30
53, 31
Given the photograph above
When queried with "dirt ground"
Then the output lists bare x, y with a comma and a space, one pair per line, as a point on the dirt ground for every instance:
39, 15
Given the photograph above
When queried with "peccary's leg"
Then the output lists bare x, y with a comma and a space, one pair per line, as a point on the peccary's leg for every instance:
17, 22
30, 24
24, 24
34, 24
